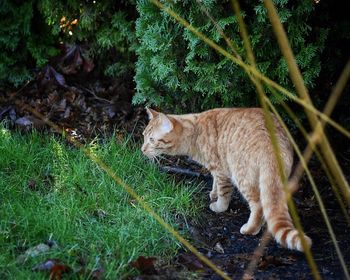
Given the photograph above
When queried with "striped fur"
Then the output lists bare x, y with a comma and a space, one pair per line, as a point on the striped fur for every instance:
235, 146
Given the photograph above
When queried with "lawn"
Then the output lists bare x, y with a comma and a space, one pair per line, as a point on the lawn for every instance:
50, 192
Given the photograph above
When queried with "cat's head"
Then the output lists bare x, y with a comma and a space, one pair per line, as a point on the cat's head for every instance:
161, 136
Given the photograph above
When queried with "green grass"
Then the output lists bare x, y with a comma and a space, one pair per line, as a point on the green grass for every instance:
76, 204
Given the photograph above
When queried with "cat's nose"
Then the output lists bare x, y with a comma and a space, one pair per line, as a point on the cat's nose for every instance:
143, 149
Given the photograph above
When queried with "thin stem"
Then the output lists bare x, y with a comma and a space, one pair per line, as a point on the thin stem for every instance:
314, 188
271, 128
301, 89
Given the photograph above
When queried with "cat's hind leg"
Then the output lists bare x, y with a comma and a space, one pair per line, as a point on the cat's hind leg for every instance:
213, 195
255, 221
222, 191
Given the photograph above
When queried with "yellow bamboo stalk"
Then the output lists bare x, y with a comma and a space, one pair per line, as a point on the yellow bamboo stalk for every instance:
337, 91
315, 190
311, 148
297, 79
244, 33
332, 101
271, 128
252, 60
257, 254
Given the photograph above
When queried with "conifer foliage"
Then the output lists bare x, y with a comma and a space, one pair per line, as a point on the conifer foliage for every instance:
177, 69
173, 68
26, 41
33, 31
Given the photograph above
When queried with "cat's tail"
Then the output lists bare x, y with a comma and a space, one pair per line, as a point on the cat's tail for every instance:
276, 213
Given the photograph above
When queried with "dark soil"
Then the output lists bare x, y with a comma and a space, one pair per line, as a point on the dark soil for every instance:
101, 108
217, 236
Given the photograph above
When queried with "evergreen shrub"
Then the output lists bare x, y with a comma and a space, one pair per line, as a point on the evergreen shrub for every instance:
32, 31
25, 41
176, 69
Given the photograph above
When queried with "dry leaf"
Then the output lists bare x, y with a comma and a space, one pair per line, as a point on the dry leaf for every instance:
54, 266
24, 121
190, 261
218, 248
145, 265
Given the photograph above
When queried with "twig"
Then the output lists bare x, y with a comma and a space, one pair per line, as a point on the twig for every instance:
89, 90
258, 253
183, 171
13, 94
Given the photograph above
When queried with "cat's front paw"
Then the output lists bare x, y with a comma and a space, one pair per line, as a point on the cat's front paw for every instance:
218, 206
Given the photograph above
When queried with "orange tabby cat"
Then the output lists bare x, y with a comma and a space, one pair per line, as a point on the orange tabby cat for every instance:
234, 145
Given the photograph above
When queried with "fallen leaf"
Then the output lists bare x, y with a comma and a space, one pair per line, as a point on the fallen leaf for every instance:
80, 102
52, 243
190, 261
266, 261
61, 107
145, 265
53, 97
50, 76
57, 270
58, 77
111, 111
100, 213
247, 276
218, 248
24, 121
66, 113
74, 60
71, 95
54, 266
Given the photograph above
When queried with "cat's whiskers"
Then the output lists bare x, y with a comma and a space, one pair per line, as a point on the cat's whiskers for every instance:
157, 159
154, 158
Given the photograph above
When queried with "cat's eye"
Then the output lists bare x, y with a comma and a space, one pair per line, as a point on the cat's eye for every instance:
151, 140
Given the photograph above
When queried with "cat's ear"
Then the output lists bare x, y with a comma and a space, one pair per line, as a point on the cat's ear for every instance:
151, 113
165, 123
